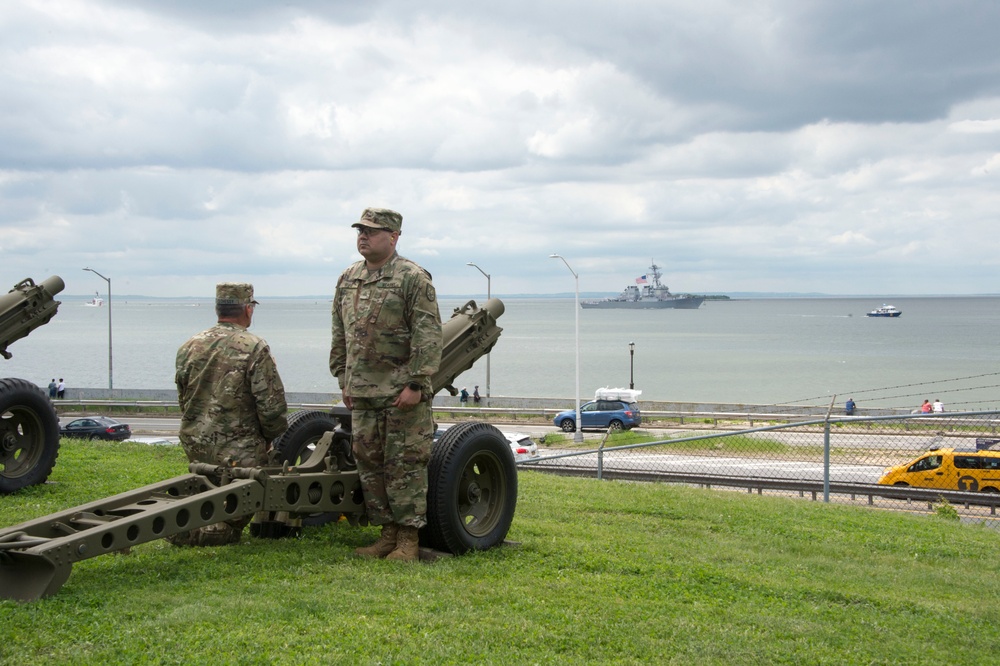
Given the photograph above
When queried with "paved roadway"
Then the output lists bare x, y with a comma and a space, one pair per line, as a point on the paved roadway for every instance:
163, 429
757, 468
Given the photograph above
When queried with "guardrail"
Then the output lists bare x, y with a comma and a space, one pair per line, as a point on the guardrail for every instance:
650, 418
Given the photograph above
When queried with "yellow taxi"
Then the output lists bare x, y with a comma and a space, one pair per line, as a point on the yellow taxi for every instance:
948, 469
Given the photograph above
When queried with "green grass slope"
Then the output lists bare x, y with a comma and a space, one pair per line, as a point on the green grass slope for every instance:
605, 573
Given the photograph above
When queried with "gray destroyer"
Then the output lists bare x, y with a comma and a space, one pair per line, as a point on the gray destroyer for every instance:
647, 296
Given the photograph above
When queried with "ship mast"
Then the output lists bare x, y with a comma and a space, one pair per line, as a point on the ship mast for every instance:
655, 270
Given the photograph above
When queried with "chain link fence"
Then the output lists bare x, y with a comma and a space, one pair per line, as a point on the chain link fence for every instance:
919, 462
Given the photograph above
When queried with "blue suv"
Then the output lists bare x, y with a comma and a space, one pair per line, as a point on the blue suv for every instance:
603, 414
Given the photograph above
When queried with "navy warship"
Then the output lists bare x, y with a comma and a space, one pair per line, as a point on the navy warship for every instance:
647, 294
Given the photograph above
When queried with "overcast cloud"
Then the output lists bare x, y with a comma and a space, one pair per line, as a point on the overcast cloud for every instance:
845, 147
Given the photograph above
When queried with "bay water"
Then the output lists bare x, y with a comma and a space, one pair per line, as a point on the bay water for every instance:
765, 351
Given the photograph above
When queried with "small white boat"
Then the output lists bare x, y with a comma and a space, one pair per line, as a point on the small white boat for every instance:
95, 302
885, 311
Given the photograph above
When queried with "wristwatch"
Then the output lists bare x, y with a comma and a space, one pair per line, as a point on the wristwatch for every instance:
415, 386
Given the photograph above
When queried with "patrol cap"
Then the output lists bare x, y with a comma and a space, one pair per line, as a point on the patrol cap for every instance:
380, 218
234, 293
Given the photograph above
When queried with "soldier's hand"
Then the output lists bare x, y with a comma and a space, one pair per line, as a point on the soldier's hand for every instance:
407, 399
348, 401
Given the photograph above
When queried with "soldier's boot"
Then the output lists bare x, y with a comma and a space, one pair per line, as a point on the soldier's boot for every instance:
386, 543
220, 534
407, 545
185, 538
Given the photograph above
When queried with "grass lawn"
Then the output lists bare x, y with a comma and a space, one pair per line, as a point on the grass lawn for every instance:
606, 572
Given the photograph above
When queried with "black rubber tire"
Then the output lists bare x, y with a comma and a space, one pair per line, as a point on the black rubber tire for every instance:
305, 428
29, 435
295, 445
472, 489
616, 425
568, 425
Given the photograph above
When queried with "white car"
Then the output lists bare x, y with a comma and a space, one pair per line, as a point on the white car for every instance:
521, 445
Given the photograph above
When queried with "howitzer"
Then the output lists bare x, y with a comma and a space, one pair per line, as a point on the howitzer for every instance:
26, 307
29, 427
468, 336
472, 487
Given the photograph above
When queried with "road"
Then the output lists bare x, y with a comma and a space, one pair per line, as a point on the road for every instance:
163, 429
755, 468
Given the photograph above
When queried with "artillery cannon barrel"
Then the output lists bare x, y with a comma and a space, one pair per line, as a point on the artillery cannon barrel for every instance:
468, 336
26, 307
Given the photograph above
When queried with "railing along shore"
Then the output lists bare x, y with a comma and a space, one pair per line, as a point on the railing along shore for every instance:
494, 408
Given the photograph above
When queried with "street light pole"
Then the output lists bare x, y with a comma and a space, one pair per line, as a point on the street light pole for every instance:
111, 384
488, 294
578, 436
631, 365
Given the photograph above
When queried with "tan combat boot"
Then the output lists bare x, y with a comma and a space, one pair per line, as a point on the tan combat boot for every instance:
220, 534
385, 544
407, 545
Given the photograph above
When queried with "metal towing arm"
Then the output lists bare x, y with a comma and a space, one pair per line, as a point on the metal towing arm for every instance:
36, 556
471, 497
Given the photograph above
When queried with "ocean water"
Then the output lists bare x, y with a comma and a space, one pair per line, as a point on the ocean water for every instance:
761, 351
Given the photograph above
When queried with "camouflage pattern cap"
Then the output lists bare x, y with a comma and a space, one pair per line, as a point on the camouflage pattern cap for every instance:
234, 293
380, 218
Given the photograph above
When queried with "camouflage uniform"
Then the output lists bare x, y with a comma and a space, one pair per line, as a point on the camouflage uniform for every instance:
387, 334
231, 397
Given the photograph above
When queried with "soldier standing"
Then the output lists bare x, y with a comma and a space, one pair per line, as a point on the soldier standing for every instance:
386, 346
231, 397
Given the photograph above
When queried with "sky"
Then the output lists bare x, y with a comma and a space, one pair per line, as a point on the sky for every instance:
842, 146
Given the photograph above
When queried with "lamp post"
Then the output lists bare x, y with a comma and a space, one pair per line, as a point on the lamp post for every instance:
578, 436
488, 294
111, 384
631, 365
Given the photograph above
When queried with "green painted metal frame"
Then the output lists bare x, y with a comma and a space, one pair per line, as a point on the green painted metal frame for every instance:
36, 557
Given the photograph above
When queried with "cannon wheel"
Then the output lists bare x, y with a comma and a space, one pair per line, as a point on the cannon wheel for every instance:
472, 489
305, 428
296, 444
29, 435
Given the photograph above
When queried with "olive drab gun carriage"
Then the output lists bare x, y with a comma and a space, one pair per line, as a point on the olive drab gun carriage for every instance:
29, 427
470, 505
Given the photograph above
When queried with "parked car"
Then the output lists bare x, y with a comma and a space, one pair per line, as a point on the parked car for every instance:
96, 427
603, 414
948, 469
522, 445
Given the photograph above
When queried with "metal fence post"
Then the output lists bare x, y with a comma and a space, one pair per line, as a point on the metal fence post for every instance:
826, 460
826, 450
